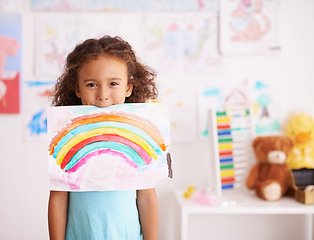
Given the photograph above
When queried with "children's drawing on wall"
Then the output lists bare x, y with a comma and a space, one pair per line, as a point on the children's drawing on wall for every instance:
57, 36
10, 62
124, 5
220, 95
266, 103
249, 26
10, 5
260, 95
181, 99
121, 147
182, 42
35, 102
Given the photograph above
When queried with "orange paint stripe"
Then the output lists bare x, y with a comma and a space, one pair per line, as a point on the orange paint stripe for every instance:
135, 121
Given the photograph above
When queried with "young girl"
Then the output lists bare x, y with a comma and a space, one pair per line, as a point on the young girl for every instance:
103, 72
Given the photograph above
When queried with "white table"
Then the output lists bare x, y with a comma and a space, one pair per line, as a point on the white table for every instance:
242, 201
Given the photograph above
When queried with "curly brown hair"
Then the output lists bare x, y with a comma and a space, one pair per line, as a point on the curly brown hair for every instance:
141, 76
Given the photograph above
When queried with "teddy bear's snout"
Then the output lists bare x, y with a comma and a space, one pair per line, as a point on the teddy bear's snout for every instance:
276, 157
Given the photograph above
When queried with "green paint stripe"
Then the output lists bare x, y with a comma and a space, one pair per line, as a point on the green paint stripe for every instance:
221, 113
224, 140
224, 167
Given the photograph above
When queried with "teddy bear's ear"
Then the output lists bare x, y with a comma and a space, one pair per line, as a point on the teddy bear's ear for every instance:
256, 141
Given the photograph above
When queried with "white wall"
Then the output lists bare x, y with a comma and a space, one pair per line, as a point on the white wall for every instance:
24, 175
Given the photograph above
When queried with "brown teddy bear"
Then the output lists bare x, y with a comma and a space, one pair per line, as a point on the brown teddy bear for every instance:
270, 176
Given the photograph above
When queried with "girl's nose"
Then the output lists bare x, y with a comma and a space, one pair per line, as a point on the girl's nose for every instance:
102, 95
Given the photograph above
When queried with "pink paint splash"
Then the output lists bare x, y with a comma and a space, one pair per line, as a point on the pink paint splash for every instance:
75, 185
98, 152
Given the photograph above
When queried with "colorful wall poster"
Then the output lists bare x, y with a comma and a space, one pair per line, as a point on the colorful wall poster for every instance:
57, 37
249, 26
181, 99
124, 5
36, 99
181, 43
262, 95
10, 62
122, 147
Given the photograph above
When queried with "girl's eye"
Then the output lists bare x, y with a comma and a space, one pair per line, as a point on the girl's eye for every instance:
113, 84
91, 85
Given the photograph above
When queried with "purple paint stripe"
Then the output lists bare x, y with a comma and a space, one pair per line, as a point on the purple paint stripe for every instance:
97, 153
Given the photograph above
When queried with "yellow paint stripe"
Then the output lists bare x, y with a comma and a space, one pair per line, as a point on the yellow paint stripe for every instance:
223, 119
225, 146
227, 173
105, 130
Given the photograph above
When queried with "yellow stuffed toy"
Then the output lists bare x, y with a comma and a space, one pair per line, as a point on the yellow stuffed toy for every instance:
300, 128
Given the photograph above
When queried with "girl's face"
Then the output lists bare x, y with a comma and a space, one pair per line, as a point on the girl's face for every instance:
103, 82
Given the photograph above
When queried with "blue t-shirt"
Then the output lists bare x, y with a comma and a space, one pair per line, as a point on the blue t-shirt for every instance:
108, 215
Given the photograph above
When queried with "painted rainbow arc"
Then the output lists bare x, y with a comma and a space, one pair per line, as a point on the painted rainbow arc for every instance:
134, 139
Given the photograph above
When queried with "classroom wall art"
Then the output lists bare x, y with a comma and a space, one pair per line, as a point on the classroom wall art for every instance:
266, 100
57, 37
121, 147
10, 62
260, 94
35, 100
248, 27
181, 43
124, 5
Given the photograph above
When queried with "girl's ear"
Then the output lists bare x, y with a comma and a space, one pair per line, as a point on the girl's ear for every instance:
130, 87
129, 90
77, 92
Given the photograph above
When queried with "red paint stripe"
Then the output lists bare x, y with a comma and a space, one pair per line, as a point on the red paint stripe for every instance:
223, 127
225, 180
105, 137
225, 153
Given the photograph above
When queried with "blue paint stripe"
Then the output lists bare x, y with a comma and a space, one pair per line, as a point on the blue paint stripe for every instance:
228, 186
223, 133
223, 160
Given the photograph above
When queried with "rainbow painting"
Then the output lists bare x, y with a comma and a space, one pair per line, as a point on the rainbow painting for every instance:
122, 147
